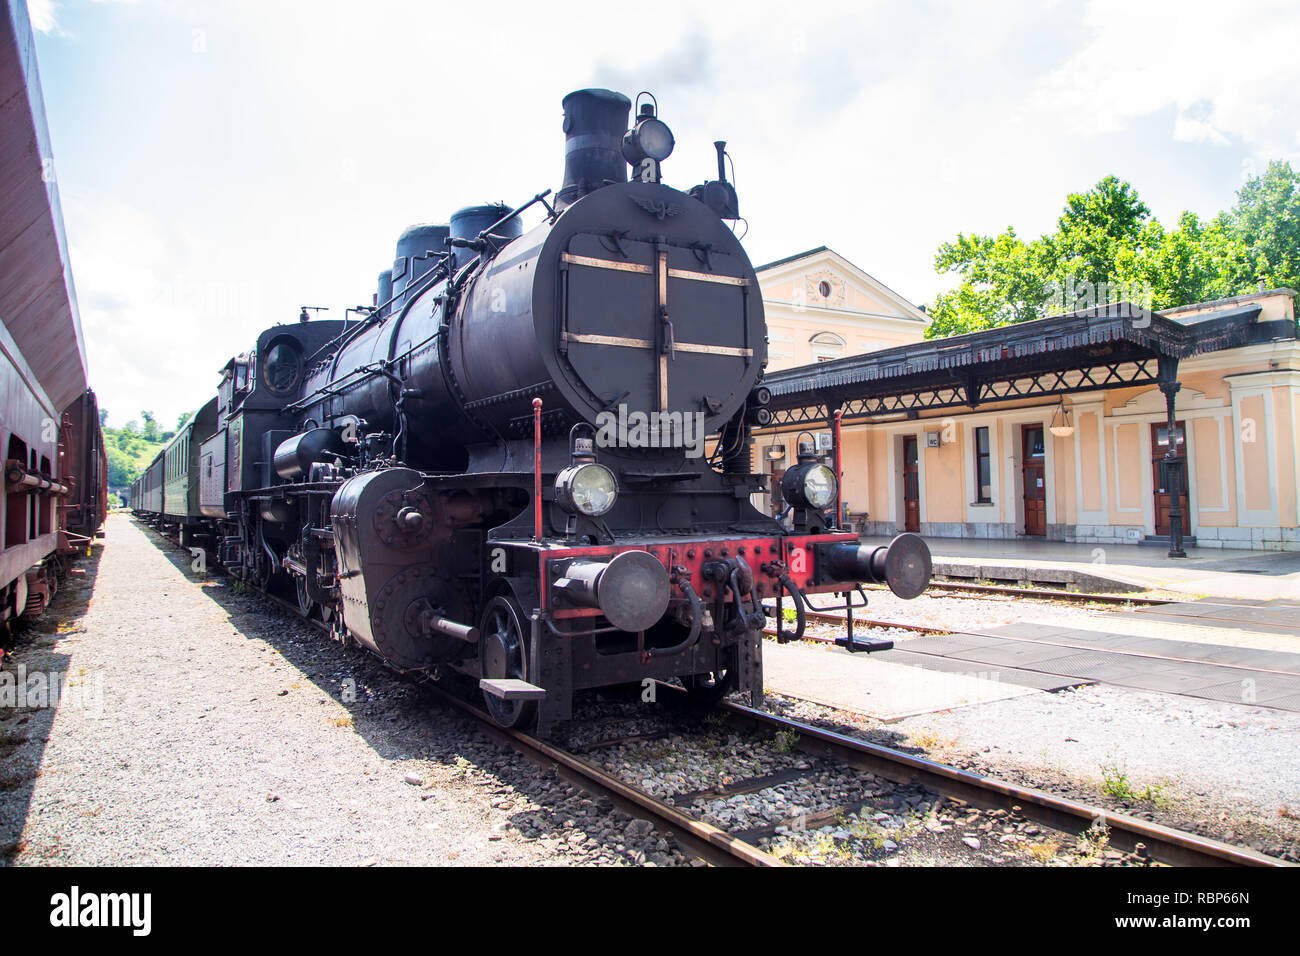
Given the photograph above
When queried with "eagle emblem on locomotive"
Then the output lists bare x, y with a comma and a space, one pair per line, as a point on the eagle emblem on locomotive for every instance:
530, 461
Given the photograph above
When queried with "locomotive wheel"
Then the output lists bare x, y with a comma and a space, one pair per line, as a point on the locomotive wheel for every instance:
503, 652
305, 603
708, 689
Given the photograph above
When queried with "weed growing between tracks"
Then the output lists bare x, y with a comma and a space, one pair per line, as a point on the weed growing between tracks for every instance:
1115, 783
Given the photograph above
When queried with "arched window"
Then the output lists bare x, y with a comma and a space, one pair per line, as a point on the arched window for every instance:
826, 346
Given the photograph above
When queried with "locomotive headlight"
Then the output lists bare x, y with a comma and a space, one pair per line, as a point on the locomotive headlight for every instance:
809, 485
588, 489
650, 138
655, 138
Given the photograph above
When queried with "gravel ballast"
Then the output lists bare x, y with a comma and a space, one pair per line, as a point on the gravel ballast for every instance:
225, 734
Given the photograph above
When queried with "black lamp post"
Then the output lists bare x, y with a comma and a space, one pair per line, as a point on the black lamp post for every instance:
1173, 466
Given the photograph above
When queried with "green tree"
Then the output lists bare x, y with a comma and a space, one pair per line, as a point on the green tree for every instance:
121, 467
1107, 247
150, 430
1104, 228
1003, 280
1265, 223
1192, 263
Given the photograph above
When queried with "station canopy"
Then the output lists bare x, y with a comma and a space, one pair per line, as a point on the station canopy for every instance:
1111, 346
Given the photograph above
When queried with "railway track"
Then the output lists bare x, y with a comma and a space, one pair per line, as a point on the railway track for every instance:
722, 848
698, 837
1043, 594
719, 847
978, 592
822, 617
1163, 844
974, 592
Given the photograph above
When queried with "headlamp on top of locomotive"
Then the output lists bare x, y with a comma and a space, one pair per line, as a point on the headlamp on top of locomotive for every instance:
647, 144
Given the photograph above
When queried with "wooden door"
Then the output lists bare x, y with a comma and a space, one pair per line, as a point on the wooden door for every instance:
911, 485
1159, 481
1033, 461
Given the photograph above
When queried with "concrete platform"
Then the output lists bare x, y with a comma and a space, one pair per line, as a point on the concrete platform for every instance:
1216, 572
869, 684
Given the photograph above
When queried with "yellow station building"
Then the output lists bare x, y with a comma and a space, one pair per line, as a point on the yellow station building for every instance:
1055, 429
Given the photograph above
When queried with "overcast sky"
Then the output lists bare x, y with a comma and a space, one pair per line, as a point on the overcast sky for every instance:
223, 163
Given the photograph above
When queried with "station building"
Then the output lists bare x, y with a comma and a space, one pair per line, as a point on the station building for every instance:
1055, 429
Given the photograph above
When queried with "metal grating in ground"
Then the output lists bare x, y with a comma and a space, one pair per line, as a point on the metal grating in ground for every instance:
1008, 675
1193, 678
1265, 691
1269, 618
1250, 657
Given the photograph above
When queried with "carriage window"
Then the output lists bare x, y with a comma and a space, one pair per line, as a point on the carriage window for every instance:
15, 512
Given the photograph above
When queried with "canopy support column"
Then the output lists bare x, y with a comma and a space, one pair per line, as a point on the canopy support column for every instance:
1170, 385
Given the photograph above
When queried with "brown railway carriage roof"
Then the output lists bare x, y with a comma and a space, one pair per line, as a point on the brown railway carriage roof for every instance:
1081, 350
38, 305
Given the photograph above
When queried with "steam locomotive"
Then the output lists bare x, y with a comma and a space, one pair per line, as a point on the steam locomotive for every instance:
530, 460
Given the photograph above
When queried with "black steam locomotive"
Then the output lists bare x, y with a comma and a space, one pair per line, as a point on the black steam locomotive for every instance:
530, 460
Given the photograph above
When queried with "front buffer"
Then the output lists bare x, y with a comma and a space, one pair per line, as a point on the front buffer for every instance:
595, 616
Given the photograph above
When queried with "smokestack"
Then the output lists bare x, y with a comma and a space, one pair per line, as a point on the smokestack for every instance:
594, 124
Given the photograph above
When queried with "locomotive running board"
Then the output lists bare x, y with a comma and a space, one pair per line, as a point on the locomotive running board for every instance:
510, 688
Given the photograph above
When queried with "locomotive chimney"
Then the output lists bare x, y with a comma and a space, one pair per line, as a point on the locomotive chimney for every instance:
594, 124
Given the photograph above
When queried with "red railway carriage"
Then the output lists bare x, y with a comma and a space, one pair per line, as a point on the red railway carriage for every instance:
54, 465
84, 462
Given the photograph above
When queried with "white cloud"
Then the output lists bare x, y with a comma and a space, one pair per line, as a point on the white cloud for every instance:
155, 324
42, 15
1237, 59
1189, 129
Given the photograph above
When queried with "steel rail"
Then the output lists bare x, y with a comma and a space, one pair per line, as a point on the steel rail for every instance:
699, 838
1162, 843
1077, 597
